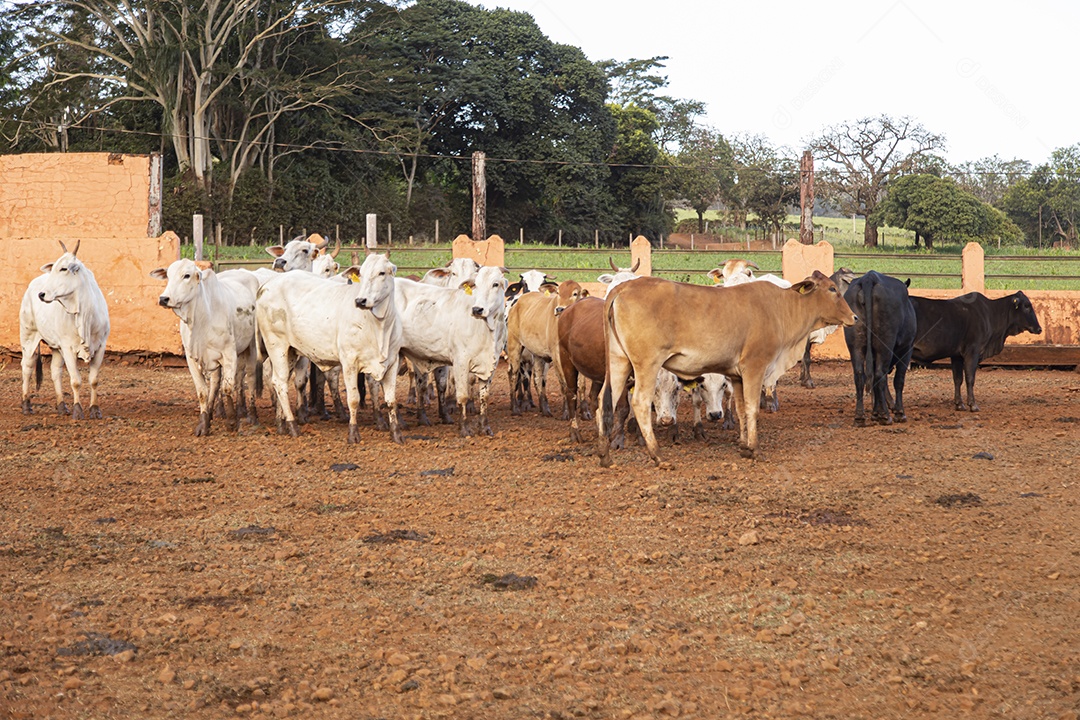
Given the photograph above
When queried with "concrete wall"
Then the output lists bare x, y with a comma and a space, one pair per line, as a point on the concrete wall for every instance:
109, 202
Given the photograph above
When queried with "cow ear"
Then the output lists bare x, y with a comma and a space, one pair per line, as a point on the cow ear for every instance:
549, 287
439, 272
467, 286
393, 267
606, 278
717, 275
584, 293
804, 287
204, 264
276, 250
352, 273
159, 274
1016, 302
47, 267
513, 289
907, 283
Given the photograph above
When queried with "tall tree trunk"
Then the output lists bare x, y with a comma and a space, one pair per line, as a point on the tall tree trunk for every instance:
870, 236
701, 222
929, 241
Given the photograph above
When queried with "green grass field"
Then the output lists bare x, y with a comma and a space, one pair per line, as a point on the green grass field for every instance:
940, 269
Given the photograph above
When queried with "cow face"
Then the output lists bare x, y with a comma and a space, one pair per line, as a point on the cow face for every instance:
298, 254
63, 280
455, 272
666, 398
375, 281
488, 292
183, 279
533, 279
711, 389
569, 293
831, 305
1022, 315
325, 266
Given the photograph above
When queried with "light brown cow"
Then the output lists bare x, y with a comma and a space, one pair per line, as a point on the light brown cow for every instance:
752, 333
533, 325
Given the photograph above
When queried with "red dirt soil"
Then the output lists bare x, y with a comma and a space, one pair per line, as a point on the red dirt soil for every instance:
919, 570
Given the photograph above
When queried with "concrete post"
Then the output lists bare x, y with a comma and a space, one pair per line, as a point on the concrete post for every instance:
800, 261
973, 269
641, 249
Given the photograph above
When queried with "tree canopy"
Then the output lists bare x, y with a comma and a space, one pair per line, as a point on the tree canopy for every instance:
937, 208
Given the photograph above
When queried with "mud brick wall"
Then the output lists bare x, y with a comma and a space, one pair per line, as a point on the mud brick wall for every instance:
107, 201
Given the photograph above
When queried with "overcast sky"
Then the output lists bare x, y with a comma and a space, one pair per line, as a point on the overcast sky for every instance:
994, 78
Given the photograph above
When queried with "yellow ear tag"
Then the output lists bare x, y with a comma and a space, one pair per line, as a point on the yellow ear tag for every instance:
353, 276
690, 386
468, 289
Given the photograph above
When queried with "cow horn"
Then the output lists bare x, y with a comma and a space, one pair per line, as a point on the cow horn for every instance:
322, 245
612, 264
62, 245
337, 248
636, 266
752, 264
355, 257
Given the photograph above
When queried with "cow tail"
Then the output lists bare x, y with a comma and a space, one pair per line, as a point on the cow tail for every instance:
260, 354
609, 330
869, 305
37, 370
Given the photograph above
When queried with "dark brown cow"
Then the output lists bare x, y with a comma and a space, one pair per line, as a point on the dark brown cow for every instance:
752, 333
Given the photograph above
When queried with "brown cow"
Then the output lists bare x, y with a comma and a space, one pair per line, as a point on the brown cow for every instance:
752, 333
581, 353
533, 325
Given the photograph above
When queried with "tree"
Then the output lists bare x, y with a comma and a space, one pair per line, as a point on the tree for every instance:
938, 209
766, 183
640, 182
1047, 203
706, 170
860, 158
989, 178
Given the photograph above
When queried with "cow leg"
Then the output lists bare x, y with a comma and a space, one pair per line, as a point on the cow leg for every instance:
483, 389
301, 373
728, 405
699, 425
31, 365
804, 375
56, 370
641, 402
333, 380
582, 391
571, 380
228, 386
958, 379
202, 393
751, 391
898, 386
420, 386
351, 373
95, 368
881, 412
540, 381
248, 385
971, 364
315, 391
622, 416
858, 370
279, 364
376, 409
75, 380
461, 392
513, 368
442, 378
389, 391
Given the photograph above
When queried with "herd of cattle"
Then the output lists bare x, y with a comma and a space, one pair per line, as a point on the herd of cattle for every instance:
640, 346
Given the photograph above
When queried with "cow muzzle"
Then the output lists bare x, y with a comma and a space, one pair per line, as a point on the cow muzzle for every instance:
478, 311
163, 301
558, 310
363, 303
279, 265
665, 421
715, 416
41, 297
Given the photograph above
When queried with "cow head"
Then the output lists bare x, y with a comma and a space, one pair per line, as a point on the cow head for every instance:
453, 273
711, 389
733, 272
831, 306
63, 279
183, 279
569, 292
375, 281
666, 398
488, 292
297, 254
842, 278
534, 279
1022, 315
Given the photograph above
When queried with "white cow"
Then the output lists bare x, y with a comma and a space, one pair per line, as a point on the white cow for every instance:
297, 254
355, 325
454, 273
217, 328
64, 308
461, 327
707, 392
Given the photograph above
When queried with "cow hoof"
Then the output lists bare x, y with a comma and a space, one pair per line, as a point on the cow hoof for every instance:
699, 432
293, 428
62, 409
728, 425
575, 435
901, 418
883, 420
860, 422
395, 435
26, 408
354, 434
605, 461
381, 424
808, 384
586, 415
663, 464
203, 428
747, 452
95, 413
974, 408
77, 412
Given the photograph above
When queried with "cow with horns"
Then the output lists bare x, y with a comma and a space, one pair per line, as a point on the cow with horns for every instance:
65, 309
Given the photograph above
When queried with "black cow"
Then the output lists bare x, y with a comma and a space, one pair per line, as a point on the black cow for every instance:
879, 342
967, 330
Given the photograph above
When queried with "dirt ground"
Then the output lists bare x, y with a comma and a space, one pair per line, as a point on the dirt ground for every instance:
920, 570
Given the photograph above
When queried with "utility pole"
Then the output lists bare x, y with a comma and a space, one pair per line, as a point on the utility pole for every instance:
479, 197
806, 199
